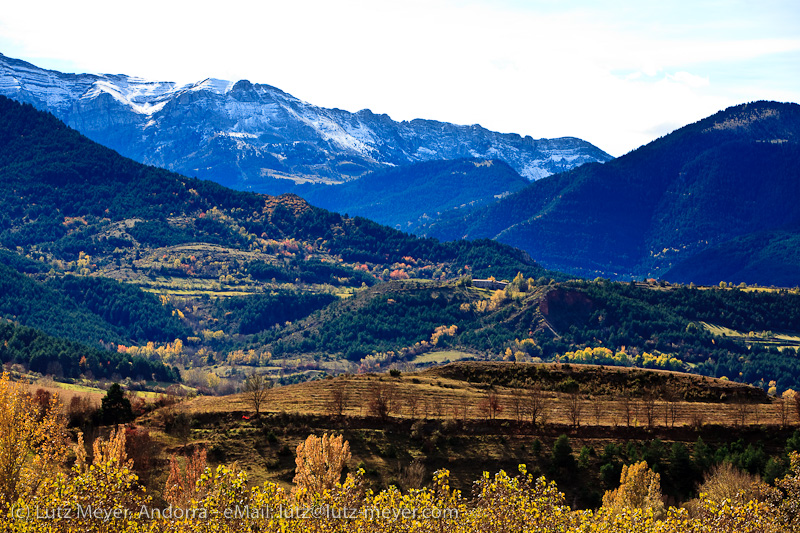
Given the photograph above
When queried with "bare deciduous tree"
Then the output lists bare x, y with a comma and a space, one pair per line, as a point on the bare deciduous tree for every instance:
425, 408
412, 398
742, 410
625, 403
597, 410
698, 420
516, 407
534, 404
491, 405
381, 400
649, 406
337, 402
784, 411
629, 408
574, 408
437, 406
463, 406
256, 387
670, 408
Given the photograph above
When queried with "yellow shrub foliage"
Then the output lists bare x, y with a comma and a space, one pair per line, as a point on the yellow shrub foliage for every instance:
103, 495
32, 443
604, 356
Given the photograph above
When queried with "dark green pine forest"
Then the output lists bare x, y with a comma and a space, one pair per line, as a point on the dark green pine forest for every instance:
712, 201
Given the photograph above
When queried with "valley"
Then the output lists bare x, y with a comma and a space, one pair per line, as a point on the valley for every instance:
184, 324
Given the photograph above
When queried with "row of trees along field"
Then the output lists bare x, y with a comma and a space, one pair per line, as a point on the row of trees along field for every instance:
100, 491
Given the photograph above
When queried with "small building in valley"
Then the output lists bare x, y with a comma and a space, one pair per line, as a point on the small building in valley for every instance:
489, 284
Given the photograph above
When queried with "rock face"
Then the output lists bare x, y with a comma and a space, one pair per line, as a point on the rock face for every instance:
240, 134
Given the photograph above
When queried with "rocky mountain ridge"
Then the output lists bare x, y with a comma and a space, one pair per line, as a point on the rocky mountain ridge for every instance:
241, 134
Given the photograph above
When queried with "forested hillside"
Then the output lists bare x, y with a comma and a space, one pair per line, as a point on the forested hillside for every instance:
108, 252
710, 186
68, 195
744, 335
408, 197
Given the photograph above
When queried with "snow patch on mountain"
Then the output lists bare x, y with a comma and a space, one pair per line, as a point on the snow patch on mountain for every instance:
229, 132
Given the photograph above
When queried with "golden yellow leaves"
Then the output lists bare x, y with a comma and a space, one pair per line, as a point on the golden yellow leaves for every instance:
640, 488
320, 463
32, 441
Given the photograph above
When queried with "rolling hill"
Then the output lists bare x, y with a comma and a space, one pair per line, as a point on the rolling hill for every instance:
443, 418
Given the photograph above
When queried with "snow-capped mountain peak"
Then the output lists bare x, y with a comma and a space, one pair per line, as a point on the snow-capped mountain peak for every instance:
239, 133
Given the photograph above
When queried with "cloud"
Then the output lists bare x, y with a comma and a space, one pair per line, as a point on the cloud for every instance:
688, 79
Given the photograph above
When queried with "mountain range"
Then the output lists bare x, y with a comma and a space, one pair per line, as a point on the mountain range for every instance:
66, 196
243, 134
713, 201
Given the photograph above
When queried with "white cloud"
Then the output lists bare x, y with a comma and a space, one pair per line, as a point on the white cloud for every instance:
688, 79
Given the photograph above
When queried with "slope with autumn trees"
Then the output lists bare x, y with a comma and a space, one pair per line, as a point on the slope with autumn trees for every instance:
89, 236
64, 195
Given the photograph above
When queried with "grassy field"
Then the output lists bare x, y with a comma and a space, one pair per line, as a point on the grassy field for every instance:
66, 391
779, 340
446, 356
432, 395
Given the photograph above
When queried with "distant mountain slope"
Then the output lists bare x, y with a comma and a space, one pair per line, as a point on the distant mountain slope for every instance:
408, 196
241, 134
729, 175
64, 195
767, 257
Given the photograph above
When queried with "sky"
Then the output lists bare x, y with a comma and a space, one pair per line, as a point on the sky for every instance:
615, 73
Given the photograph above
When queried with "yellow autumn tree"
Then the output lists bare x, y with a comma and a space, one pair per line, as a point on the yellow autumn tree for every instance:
640, 488
107, 481
319, 464
32, 441
789, 505
105, 485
